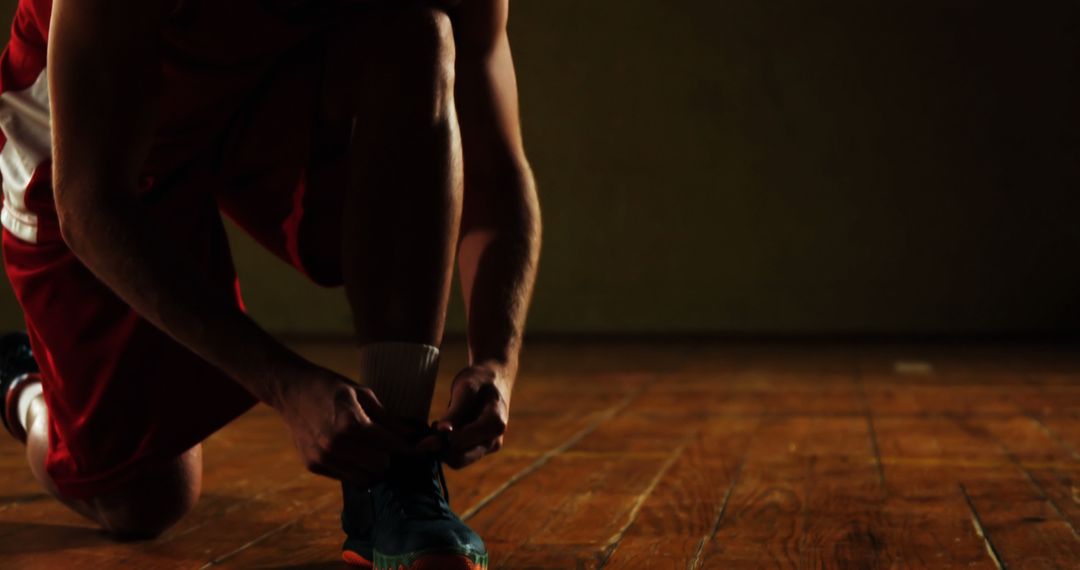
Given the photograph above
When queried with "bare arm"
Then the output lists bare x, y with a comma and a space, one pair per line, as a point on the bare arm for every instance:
500, 230
500, 233
104, 79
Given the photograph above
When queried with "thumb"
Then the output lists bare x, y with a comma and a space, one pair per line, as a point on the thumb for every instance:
453, 416
377, 413
458, 412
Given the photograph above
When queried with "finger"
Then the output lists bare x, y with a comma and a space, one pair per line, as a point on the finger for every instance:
463, 405
377, 425
436, 442
374, 410
466, 458
463, 459
486, 428
458, 413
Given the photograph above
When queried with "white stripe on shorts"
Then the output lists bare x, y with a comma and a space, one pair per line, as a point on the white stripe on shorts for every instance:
24, 118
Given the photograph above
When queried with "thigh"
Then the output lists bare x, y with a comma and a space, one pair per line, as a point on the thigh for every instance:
286, 160
120, 393
284, 166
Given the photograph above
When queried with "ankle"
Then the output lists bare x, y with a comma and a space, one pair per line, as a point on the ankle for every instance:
402, 375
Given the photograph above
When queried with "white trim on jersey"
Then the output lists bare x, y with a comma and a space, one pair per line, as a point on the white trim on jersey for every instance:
24, 118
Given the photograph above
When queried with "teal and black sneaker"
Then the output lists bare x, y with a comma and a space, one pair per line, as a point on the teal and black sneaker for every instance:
414, 527
17, 365
356, 521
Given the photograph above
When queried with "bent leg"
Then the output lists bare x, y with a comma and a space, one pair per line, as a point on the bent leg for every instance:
366, 189
403, 204
113, 434
149, 502
403, 200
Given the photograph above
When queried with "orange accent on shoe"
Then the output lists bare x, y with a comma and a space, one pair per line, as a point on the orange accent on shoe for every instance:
355, 559
444, 562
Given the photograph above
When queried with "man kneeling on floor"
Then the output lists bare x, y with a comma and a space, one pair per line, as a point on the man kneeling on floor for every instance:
365, 142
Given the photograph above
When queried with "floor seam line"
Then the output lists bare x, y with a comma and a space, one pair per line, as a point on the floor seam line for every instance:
1046, 497
268, 534
613, 543
1016, 463
976, 521
699, 553
170, 537
547, 456
868, 415
272, 532
1054, 436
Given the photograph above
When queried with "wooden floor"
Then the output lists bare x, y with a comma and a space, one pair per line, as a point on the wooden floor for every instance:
739, 455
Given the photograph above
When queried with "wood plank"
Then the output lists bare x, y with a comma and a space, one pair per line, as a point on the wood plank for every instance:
531, 435
1065, 430
702, 398
888, 399
925, 460
1023, 523
24, 526
1051, 465
256, 498
1019, 524
538, 431
803, 482
626, 456
683, 510
574, 502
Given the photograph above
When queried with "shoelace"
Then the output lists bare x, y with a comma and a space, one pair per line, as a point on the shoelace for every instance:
442, 482
411, 494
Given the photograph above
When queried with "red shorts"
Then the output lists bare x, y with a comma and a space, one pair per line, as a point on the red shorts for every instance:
247, 140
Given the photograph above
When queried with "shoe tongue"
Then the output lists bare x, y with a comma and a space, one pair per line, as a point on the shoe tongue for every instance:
412, 471
414, 484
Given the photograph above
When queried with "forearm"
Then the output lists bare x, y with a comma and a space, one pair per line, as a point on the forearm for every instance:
497, 261
500, 235
118, 241
104, 76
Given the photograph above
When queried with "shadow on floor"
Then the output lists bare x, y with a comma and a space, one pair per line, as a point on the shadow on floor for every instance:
25, 538
8, 500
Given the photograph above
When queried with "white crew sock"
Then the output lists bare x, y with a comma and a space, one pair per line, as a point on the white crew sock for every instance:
402, 375
26, 397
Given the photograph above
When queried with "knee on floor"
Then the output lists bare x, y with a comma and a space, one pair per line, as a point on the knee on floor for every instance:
152, 502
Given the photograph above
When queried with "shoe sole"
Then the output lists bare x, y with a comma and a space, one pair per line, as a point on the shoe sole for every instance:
431, 561
354, 559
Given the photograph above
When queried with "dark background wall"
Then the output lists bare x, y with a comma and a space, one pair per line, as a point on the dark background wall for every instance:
785, 167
